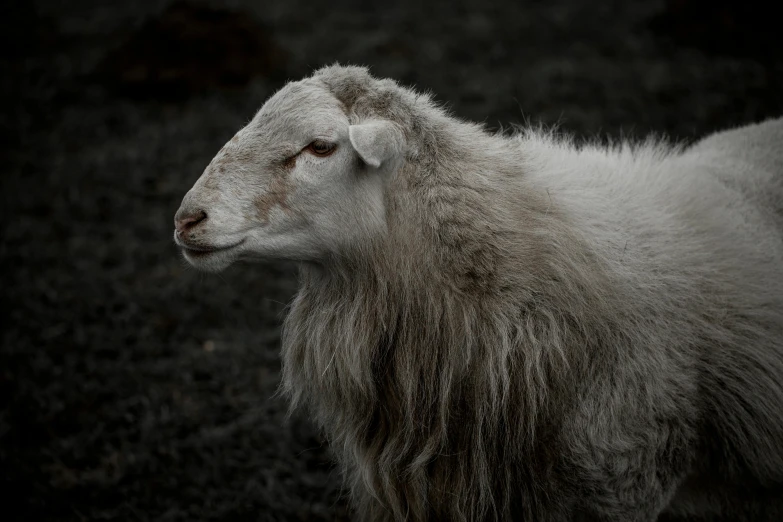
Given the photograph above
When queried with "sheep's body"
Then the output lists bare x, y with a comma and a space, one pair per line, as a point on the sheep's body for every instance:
542, 332
549, 330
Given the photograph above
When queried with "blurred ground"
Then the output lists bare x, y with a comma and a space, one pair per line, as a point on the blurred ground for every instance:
133, 388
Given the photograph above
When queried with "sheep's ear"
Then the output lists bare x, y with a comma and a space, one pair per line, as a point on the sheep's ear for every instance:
376, 142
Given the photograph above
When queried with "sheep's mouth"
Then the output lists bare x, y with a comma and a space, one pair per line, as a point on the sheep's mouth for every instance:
201, 251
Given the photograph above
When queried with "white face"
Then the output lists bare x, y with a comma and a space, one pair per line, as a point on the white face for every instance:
298, 182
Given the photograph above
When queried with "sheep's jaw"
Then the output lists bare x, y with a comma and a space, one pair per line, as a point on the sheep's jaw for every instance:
207, 257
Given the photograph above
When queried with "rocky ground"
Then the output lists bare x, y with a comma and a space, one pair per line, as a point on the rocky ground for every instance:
134, 388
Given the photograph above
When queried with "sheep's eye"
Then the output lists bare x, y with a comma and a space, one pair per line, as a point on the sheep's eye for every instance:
321, 148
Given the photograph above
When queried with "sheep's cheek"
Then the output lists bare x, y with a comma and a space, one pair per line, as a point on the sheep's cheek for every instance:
275, 195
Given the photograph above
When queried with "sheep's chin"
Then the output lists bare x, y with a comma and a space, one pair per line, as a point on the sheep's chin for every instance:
210, 261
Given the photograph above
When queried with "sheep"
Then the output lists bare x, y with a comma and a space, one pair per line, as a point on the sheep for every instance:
513, 327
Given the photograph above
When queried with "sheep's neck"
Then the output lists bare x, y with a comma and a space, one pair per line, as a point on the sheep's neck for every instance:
428, 305
431, 342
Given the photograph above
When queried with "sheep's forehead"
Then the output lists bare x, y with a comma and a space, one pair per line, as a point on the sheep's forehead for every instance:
288, 121
299, 107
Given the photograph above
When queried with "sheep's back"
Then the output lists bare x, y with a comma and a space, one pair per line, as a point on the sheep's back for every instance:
693, 244
749, 160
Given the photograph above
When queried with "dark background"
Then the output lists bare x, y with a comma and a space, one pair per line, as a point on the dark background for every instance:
134, 388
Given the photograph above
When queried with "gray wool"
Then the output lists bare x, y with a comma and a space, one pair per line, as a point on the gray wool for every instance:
512, 327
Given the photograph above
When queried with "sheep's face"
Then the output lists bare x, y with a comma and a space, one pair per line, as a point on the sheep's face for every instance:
298, 182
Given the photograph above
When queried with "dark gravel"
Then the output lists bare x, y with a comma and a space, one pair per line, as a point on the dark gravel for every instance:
134, 388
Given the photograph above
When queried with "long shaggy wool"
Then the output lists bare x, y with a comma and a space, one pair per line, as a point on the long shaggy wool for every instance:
548, 331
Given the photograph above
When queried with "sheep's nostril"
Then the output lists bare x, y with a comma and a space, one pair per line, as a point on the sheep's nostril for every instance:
189, 221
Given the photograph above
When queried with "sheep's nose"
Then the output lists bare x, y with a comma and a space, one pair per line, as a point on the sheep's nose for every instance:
185, 221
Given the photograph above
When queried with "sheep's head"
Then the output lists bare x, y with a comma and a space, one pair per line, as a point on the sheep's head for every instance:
304, 179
